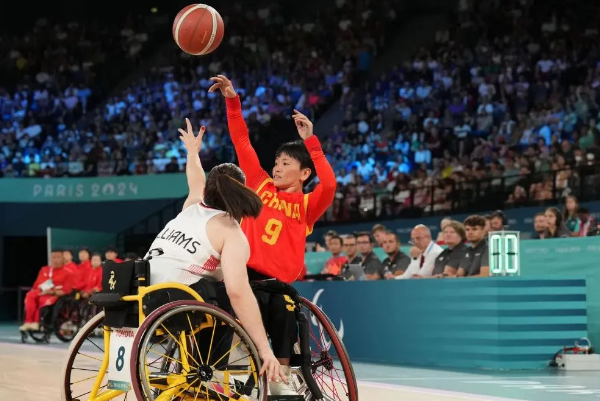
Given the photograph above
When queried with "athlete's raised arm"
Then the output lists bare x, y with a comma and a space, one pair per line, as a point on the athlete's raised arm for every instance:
247, 158
321, 198
234, 256
196, 177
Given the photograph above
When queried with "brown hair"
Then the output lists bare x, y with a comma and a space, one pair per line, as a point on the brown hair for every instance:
458, 227
378, 227
475, 221
225, 190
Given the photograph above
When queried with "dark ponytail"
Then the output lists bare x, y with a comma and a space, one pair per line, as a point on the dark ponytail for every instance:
225, 190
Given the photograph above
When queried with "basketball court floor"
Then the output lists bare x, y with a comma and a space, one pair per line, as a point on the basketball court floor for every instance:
31, 372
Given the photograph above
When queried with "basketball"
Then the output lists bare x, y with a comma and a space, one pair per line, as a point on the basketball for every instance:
198, 29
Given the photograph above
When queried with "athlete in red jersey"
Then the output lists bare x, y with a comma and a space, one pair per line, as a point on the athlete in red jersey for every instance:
277, 237
52, 282
289, 214
337, 260
93, 282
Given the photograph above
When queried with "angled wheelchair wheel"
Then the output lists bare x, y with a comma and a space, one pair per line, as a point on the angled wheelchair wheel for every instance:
330, 365
65, 319
200, 353
84, 364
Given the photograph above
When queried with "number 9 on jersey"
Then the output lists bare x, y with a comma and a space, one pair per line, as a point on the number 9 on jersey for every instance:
272, 231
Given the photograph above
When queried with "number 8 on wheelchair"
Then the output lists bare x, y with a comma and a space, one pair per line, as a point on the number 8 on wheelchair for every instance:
190, 349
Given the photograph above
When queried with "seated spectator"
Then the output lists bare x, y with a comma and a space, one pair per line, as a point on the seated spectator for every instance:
440, 237
352, 256
556, 226
328, 235
589, 227
369, 260
448, 262
540, 225
112, 254
379, 232
571, 216
476, 262
337, 260
397, 261
94, 277
428, 251
52, 282
497, 221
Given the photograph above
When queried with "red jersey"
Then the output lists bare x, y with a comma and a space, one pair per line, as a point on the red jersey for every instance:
80, 281
93, 280
334, 264
62, 279
277, 237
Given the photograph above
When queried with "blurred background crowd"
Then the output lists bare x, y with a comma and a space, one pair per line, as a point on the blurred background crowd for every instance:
500, 110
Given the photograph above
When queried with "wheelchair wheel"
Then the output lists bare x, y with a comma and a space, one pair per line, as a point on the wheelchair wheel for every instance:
84, 362
66, 319
330, 364
208, 356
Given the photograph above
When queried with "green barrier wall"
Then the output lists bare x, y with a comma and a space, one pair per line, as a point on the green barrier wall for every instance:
540, 259
494, 323
64, 238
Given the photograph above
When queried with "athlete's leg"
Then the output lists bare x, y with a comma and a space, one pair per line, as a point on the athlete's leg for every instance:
282, 327
32, 310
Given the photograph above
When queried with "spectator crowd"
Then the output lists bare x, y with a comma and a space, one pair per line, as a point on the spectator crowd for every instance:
460, 249
503, 106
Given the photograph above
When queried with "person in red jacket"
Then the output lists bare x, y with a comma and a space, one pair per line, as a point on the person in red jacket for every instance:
93, 282
53, 281
112, 254
277, 237
83, 270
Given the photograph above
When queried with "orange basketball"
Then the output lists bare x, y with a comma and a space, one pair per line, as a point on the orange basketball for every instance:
198, 29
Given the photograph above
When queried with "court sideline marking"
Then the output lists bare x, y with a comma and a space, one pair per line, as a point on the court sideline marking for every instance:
428, 391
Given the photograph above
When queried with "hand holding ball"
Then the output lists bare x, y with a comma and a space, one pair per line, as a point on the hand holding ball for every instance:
198, 29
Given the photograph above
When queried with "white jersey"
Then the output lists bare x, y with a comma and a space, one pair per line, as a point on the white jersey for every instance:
187, 253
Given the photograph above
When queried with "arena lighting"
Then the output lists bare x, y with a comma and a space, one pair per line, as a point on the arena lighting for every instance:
504, 253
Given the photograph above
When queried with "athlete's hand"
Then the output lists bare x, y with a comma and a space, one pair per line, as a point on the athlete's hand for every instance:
271, 367
222, 83
192, 143
303, 125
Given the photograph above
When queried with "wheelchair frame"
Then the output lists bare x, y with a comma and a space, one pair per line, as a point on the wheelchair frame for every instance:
142, 291
303, 360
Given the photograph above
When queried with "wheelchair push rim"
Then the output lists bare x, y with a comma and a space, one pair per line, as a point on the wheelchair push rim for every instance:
93, 355
332, 371
195, 376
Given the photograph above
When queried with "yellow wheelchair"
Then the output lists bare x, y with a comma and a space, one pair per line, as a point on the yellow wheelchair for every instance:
189, 349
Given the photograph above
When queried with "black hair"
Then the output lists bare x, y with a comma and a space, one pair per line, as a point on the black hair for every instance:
112, 248
56, 250
499, 214
331, 233
297, 151
96, 254
338, 238
558, 215
86, 250
225, 190
583, 210
364, 234
131, 256
68, 250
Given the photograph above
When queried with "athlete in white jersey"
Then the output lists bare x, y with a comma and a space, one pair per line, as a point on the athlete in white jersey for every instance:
205, 240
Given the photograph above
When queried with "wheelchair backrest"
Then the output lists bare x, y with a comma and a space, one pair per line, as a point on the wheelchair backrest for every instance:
119, 280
